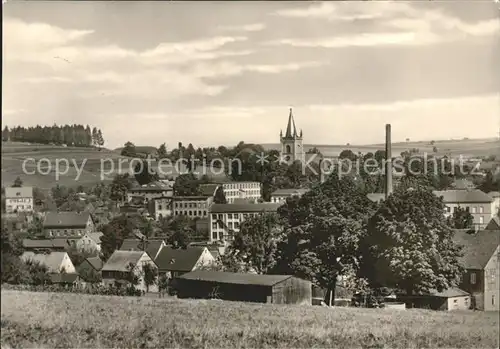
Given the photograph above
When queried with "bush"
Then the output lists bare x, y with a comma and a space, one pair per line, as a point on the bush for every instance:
92, 289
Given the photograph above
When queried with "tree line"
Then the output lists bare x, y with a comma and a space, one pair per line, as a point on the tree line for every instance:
70, 135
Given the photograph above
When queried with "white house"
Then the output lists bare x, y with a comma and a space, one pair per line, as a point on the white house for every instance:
123, 262
90, 242
56, 262
19, 199
178, 261
280, 195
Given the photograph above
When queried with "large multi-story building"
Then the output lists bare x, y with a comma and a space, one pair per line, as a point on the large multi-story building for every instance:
227, 218
292, 148
479, 204
250, 191
192, 206
18, 199
68, 224
151, 191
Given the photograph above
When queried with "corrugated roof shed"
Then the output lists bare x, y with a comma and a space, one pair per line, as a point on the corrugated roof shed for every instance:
235, 278
61, 220
51, 260
478, 248
178, 259
120, 260
18, 192
463, 196
151, 247
230, 208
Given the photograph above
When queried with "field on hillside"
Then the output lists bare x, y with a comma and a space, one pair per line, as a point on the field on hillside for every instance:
82, 321
92, 160
465, 147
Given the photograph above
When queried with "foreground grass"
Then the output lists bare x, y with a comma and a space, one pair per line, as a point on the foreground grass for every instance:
83, 321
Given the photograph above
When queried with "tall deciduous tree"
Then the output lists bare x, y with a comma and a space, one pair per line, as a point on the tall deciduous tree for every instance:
18, 182
220, 197
410, 243
461, 219
119, 187
324, 229
162, 151
256, 243
128, 150
187, 185
114, 233
150, 275
145, 174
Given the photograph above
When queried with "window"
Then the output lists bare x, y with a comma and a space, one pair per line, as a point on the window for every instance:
473, 210
473, 278
229, 216
455, 301
214, 216
214, 225
481, 220
480, 209
214, 235
492, 299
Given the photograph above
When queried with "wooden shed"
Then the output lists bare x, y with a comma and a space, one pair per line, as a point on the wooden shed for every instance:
276, 289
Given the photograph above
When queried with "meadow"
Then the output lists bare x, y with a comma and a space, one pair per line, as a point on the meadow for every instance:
65, 320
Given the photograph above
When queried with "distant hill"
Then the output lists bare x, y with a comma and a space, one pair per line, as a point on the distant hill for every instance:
141, 149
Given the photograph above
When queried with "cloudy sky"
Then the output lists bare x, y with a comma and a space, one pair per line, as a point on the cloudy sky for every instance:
217, 73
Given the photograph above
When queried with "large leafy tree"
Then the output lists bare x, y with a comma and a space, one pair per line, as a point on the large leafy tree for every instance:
324, 229
187, 185
144, 174
409, 244
17, 183
119, 187
179, 230
256, 243
128, 149
220, 197
114, 233
12, 267
461, 219
150, 275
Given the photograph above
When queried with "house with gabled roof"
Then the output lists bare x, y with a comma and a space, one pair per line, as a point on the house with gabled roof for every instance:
479, 204
19, 199
494, 224
68, 224
151, 246
121, 263
90, 266
178, 261
56, 262
90, 241
481, 260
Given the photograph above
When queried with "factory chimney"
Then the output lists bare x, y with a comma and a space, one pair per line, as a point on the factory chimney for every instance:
388, 162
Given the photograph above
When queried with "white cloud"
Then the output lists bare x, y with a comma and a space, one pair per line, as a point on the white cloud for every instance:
404, 24
255, 27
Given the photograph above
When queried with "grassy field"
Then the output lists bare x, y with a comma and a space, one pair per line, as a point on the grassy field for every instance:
83, 321
464, 147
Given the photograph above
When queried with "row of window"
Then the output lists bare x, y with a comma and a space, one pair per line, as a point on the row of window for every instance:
19, 207
19, 200
473, 209
241, 185
230, 225
238, 193
219, 216
191, 213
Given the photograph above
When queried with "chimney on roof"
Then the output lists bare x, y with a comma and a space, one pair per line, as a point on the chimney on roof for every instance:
388, 161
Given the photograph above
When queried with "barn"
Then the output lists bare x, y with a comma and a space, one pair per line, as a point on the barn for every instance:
276, 289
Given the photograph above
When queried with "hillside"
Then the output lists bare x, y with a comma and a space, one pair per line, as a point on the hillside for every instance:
466, 147
46, 156
58, 320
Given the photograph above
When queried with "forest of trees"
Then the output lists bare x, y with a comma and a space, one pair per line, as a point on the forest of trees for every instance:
71, 135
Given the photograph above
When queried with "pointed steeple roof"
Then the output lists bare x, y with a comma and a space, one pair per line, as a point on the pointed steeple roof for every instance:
291, 124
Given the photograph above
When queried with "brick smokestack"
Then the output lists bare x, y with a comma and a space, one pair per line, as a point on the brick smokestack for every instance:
388, 162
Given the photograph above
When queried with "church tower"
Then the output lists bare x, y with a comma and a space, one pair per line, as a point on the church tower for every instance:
291, 143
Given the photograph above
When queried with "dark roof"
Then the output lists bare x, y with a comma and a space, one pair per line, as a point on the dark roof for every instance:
152, 246
289, 192
95, 262
229, 208
450, 293
45, 243
120, 260
151, 187
178, 259
208, 189
494, 224
478, 247
194, 197
61, 220
63, 278
235, 278
22, 192
463, 196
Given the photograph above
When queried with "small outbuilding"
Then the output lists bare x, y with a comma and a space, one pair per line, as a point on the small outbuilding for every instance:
450, 299
276, 289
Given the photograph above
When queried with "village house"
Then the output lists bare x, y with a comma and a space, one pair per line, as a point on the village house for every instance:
481, 260
90, 242
450, 299
178, 261
495, 195
161, 207
275, 289
462, 184
151, 247
242, 190
68, 224
227, 218
91, 265
19, 199
280, 195
56, 262
192, 206
150, 191
121, 263
479, 204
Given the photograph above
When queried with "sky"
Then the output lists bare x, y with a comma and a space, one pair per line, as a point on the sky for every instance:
212, 73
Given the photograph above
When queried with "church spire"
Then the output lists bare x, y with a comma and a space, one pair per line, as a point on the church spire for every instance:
291, 123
